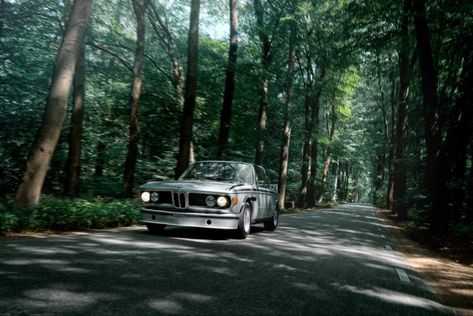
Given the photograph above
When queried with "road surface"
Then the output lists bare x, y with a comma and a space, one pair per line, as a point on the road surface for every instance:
337, 261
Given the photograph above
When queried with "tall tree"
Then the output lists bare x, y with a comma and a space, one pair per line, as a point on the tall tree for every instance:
226, 113
168, 41
264, 84
311, 187
400, 172
73, 166
435, 177
185, 140
284, 156
47, 137
307, 77
134, 103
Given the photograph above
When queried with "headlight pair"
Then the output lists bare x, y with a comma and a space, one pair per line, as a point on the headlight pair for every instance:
149, 196
221, 201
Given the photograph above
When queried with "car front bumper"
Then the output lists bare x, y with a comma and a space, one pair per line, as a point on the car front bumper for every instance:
187, 219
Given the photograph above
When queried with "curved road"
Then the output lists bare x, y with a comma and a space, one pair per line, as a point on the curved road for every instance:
330, 262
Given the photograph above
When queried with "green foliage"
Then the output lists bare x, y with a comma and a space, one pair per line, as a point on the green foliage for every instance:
61, 214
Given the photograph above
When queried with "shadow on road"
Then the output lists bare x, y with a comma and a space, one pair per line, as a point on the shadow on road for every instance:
331, 262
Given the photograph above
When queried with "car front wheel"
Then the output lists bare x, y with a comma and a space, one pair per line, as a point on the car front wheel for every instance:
272, 223
244, 222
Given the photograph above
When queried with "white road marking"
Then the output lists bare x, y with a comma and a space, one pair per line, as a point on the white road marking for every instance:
403, 275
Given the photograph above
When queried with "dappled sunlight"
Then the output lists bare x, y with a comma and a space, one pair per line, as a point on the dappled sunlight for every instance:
394, 297
200, 272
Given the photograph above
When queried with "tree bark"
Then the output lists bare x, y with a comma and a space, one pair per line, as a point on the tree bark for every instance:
264, 84
469, 199
72, 170
400, 171
29, 190
455, 149
311, 190
226, 113
435, 175
134, 103
187, 118
306, 150
390, 160
284, 156
328, 159
335, 183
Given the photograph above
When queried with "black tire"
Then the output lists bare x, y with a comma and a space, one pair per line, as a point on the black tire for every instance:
156, 228
244, 222
272, 223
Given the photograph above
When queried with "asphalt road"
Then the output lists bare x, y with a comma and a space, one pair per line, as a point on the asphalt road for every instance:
331, 262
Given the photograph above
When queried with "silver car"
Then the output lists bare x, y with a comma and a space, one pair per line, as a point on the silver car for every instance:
212, 194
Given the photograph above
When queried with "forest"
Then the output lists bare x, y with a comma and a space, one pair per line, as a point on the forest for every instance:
340, 101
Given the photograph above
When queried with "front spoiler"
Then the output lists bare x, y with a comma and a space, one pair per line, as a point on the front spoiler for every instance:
216, 221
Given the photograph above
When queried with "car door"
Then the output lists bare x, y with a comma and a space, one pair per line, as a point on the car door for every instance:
264, 193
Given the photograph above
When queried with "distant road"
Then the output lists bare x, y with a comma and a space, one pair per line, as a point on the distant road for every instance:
330, 262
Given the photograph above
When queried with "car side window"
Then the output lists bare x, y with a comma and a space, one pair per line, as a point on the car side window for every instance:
261, 178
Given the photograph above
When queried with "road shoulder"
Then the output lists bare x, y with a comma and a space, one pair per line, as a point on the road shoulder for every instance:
450, 280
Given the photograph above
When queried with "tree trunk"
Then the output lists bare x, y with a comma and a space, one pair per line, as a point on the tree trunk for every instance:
264, 84
400, 171
47, 137
335, 183
226, 114
435, 177
469, 199
455, 149
284, 156
132, 153
187, 118
306, 150
311, 190
331, 132
72, 170
347, 182
356, 191
390, 160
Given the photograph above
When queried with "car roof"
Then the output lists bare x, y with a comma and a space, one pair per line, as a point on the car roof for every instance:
226, 161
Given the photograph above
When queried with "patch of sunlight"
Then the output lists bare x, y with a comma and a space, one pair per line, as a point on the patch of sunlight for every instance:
24, 262
7, 272
46, 251
394, 297
284, 267
306, 287
64, 298
166, 306
105, 239
194, 297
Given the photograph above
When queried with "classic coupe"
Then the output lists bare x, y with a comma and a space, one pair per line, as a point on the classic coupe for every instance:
212, 194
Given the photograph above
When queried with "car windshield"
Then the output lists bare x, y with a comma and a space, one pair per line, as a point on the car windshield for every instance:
220, 171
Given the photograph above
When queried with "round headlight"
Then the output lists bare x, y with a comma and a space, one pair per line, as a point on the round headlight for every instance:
210, 201
222, 201
145, 196
154, 197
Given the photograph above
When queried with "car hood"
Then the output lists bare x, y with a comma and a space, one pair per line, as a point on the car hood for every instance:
192, 185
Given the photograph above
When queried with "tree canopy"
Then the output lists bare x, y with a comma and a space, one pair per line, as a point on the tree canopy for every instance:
341, 101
